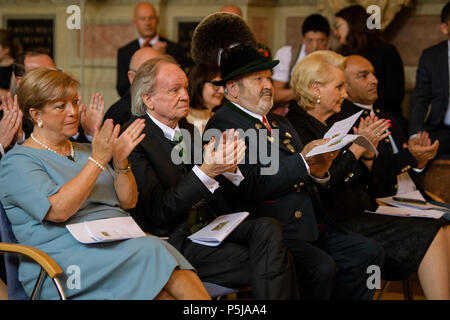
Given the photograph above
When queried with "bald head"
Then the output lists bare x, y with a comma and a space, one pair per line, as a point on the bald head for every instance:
361, 82
138, 58
36, 61
145, 20
232, 9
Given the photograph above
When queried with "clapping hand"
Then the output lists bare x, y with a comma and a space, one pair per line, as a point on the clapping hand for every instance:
230, 151
318, 164
11, 123
126, 142
421, 148
91, 117
160, 46
107, 143
373, 129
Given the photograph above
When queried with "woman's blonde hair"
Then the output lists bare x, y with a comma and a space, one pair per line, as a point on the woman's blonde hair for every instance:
315, 67
42, 86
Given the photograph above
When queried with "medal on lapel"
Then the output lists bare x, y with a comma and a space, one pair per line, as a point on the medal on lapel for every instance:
288, 135
258, 126
287, 143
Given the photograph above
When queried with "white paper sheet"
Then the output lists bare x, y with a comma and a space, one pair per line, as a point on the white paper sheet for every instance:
339, 137
407, 212
415, 195
106, 230
216, 231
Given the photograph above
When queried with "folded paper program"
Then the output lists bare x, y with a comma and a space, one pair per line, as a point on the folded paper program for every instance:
339, 138
216, 231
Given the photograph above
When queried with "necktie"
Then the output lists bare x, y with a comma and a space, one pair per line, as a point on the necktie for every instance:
180, 145
146, 43
266, 123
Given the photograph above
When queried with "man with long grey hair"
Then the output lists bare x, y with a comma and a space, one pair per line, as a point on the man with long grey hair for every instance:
177, 197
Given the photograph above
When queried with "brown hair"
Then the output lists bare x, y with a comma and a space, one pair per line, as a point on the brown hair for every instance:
199, 75
7, 41
360, 40
42, 86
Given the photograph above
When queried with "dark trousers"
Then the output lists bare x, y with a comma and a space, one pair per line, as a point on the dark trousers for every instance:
335, 266
253, 254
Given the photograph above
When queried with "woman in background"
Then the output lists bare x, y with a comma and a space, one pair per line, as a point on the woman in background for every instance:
53, 182
356, 39
203, 94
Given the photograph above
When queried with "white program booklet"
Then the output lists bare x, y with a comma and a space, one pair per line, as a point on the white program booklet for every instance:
215, 232
413, 199
408, 212
339, 137
105, 230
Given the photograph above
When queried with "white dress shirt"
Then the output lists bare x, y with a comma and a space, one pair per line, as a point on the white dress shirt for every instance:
152, 42
282, 72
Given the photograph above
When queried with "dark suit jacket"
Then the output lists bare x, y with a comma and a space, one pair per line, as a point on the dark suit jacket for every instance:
120, 111
346, 194
167, 192
124, 57
390, 72
432, 83
286, 195
388, 164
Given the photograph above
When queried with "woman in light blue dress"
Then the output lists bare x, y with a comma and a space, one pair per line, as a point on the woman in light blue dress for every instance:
48, 183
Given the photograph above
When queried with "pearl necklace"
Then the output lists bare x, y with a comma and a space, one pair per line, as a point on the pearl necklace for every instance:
72, 153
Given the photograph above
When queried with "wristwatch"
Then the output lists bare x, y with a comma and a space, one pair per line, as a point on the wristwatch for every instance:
126, 170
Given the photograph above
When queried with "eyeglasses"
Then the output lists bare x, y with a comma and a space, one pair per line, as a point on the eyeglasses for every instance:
215, 87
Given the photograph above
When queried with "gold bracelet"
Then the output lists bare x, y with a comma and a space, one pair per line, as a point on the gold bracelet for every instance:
97, 163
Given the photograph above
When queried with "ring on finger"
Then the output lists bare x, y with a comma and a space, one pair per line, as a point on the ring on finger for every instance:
378, 134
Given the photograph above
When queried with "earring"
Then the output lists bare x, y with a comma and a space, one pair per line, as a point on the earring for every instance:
39, 124
318, 100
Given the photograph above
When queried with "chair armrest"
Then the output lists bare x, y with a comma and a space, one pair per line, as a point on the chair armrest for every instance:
434, 197
40, 257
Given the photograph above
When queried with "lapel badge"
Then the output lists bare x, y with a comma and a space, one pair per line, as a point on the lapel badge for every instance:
274, 124
288, 135
287, 142
258, 126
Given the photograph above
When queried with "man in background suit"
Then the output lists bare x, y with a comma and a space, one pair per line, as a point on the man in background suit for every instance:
329, 263
90, 117
120, 111
397, 156
176, 197
431, 93
146, 22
